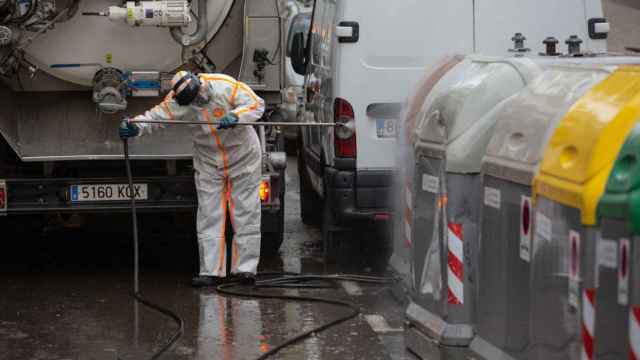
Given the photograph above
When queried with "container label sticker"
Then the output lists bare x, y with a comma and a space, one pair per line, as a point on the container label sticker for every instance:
430, 183
574, 268
525, 228
492, 197
607, 254
543, 226
623, 272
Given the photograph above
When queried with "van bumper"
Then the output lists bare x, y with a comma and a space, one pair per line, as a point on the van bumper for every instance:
356, 196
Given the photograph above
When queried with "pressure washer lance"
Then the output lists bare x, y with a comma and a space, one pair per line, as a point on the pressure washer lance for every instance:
250, 123
137, 295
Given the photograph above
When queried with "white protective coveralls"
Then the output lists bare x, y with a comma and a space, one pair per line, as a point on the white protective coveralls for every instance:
227, 167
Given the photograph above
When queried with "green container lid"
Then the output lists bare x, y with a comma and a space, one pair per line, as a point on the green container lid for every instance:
621, 199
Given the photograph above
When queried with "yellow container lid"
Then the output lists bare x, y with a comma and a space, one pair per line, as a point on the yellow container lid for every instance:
581, 152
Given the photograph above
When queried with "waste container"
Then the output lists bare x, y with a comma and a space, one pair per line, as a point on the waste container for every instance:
451, 140
523, 125
617, 300
400, 262
566, 191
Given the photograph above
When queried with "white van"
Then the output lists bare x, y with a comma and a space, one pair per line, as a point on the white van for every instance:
360, 61
298, 19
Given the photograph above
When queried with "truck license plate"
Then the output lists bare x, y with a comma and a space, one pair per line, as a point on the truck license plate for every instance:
107, 192
386, 128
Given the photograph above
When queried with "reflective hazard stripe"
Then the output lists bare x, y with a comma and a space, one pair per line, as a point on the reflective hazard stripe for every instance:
165, 105
455, 262
225, 198
634, 333
233, 82
234, 94
588, 323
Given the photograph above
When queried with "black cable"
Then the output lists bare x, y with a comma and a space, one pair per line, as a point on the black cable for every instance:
136, 265
285, 281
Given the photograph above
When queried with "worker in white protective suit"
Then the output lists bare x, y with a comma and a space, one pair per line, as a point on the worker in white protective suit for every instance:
227, 162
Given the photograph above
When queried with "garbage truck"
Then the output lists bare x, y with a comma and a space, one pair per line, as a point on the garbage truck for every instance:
70, 70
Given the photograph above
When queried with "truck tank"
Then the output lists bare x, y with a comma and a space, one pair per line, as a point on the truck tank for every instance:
71, 69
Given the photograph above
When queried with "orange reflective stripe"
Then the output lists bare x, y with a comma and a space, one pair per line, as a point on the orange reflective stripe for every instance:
247, 109
165, 105
214, 132
225, 160
234, 94
229, 80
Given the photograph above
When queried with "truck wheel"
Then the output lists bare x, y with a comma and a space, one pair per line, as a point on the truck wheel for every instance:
309, 200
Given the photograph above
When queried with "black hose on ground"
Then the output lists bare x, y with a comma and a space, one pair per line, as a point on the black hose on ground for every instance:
289, 280
137, 295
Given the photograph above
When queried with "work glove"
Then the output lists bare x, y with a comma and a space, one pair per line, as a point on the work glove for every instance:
228, 121
128, 130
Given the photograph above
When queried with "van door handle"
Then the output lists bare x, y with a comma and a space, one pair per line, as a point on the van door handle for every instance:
348, 32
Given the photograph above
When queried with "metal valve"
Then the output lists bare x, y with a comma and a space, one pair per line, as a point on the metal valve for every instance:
518, 44
165, 13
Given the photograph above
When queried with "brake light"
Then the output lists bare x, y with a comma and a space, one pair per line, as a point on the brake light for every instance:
345, 136
3, 196
265, 190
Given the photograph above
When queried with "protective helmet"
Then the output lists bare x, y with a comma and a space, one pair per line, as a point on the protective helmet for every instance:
185, 87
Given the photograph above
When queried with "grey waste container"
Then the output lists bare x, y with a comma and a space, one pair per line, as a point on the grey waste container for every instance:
400, 262
566, 190
523, 124
451, 141
617, 300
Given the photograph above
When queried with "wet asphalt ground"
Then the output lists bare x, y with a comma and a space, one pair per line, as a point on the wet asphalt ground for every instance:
64, 295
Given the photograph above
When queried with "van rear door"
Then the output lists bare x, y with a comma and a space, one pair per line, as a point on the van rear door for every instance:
398, 39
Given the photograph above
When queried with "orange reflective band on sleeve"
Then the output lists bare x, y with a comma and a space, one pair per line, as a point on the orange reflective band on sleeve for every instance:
226, 79
234, 94
165, 105
247, 109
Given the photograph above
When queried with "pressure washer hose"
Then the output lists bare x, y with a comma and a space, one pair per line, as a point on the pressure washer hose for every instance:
266, 280
137, 295
288, 280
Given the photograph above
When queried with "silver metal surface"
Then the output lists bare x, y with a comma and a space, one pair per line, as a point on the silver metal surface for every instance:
41, 127
555, 322
430, 246
612, 318
503, 295
249, 123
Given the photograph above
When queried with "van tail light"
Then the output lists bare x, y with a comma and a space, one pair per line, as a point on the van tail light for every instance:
3, 196
345, 135
265, 190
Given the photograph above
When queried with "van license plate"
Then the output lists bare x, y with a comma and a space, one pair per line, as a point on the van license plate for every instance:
107, 192
386, 128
